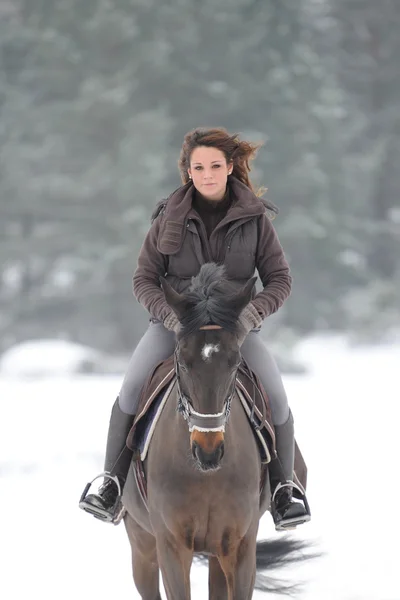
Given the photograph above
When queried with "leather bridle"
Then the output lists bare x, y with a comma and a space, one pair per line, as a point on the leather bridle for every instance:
200, 421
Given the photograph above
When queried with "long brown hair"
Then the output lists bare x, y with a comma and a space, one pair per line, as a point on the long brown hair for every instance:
239, 152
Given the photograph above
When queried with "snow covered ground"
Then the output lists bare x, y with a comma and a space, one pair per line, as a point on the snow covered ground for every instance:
52, 434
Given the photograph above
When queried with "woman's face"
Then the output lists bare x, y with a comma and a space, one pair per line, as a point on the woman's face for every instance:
209, 172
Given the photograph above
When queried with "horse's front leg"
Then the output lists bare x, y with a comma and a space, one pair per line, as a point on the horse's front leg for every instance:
217, 589
174, 559
144, 560
239, 567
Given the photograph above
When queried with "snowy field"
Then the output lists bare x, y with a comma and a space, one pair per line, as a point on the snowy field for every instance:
52, 437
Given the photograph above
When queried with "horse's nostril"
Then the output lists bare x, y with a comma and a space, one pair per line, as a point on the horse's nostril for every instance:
194, 449
222, 449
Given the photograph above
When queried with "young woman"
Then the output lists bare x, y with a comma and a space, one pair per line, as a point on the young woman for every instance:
214, 216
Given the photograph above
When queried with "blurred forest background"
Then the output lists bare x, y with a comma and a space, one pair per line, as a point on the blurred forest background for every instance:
95, 97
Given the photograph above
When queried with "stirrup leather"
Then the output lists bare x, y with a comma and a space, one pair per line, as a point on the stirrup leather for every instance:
112, 515
290, 522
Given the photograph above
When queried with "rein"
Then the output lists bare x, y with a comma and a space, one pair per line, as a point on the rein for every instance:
200, 421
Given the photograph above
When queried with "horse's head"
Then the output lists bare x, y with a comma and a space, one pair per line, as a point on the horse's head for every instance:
207, 357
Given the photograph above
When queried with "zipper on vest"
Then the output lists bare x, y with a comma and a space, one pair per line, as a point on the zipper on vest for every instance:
225, 246
204, 239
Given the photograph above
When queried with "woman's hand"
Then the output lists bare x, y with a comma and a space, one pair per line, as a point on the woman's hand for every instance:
171, 322
250, 318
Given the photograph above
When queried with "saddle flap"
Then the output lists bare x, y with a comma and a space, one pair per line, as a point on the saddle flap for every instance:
158, 379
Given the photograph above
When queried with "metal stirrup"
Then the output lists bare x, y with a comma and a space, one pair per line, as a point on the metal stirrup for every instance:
105, 474
288, 484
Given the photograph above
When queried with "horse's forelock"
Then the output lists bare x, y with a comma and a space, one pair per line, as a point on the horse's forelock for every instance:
210, 297
214, 309
208, 278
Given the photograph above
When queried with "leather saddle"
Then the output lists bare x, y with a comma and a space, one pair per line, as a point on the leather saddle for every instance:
253, 398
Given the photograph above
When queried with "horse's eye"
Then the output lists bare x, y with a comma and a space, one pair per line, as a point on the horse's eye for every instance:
183, 367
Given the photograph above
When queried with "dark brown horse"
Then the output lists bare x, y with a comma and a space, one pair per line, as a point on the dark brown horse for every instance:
203, 467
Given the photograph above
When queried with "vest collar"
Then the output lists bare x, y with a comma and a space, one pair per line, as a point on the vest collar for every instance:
245, 205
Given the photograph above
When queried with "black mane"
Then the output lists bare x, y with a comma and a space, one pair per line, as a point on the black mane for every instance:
209, 297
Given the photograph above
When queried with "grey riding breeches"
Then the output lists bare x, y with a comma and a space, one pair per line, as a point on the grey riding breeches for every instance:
158, 343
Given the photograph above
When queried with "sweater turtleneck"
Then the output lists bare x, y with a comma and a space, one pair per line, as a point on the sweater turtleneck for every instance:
211, 212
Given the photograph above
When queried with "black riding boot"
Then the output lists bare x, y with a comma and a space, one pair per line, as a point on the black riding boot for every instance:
106, 504
287, 512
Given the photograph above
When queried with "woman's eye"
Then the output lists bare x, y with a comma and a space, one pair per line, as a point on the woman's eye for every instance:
217, 166
197, 168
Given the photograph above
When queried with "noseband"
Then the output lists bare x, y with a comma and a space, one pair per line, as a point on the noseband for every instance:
200, 421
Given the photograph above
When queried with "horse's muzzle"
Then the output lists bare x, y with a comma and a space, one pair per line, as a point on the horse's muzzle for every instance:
208, 456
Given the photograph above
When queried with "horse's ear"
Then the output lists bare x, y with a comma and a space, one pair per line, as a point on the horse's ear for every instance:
243, 296
176, 301
171, 295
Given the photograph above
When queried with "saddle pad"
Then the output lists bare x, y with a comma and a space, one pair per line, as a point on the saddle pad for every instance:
146, 427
